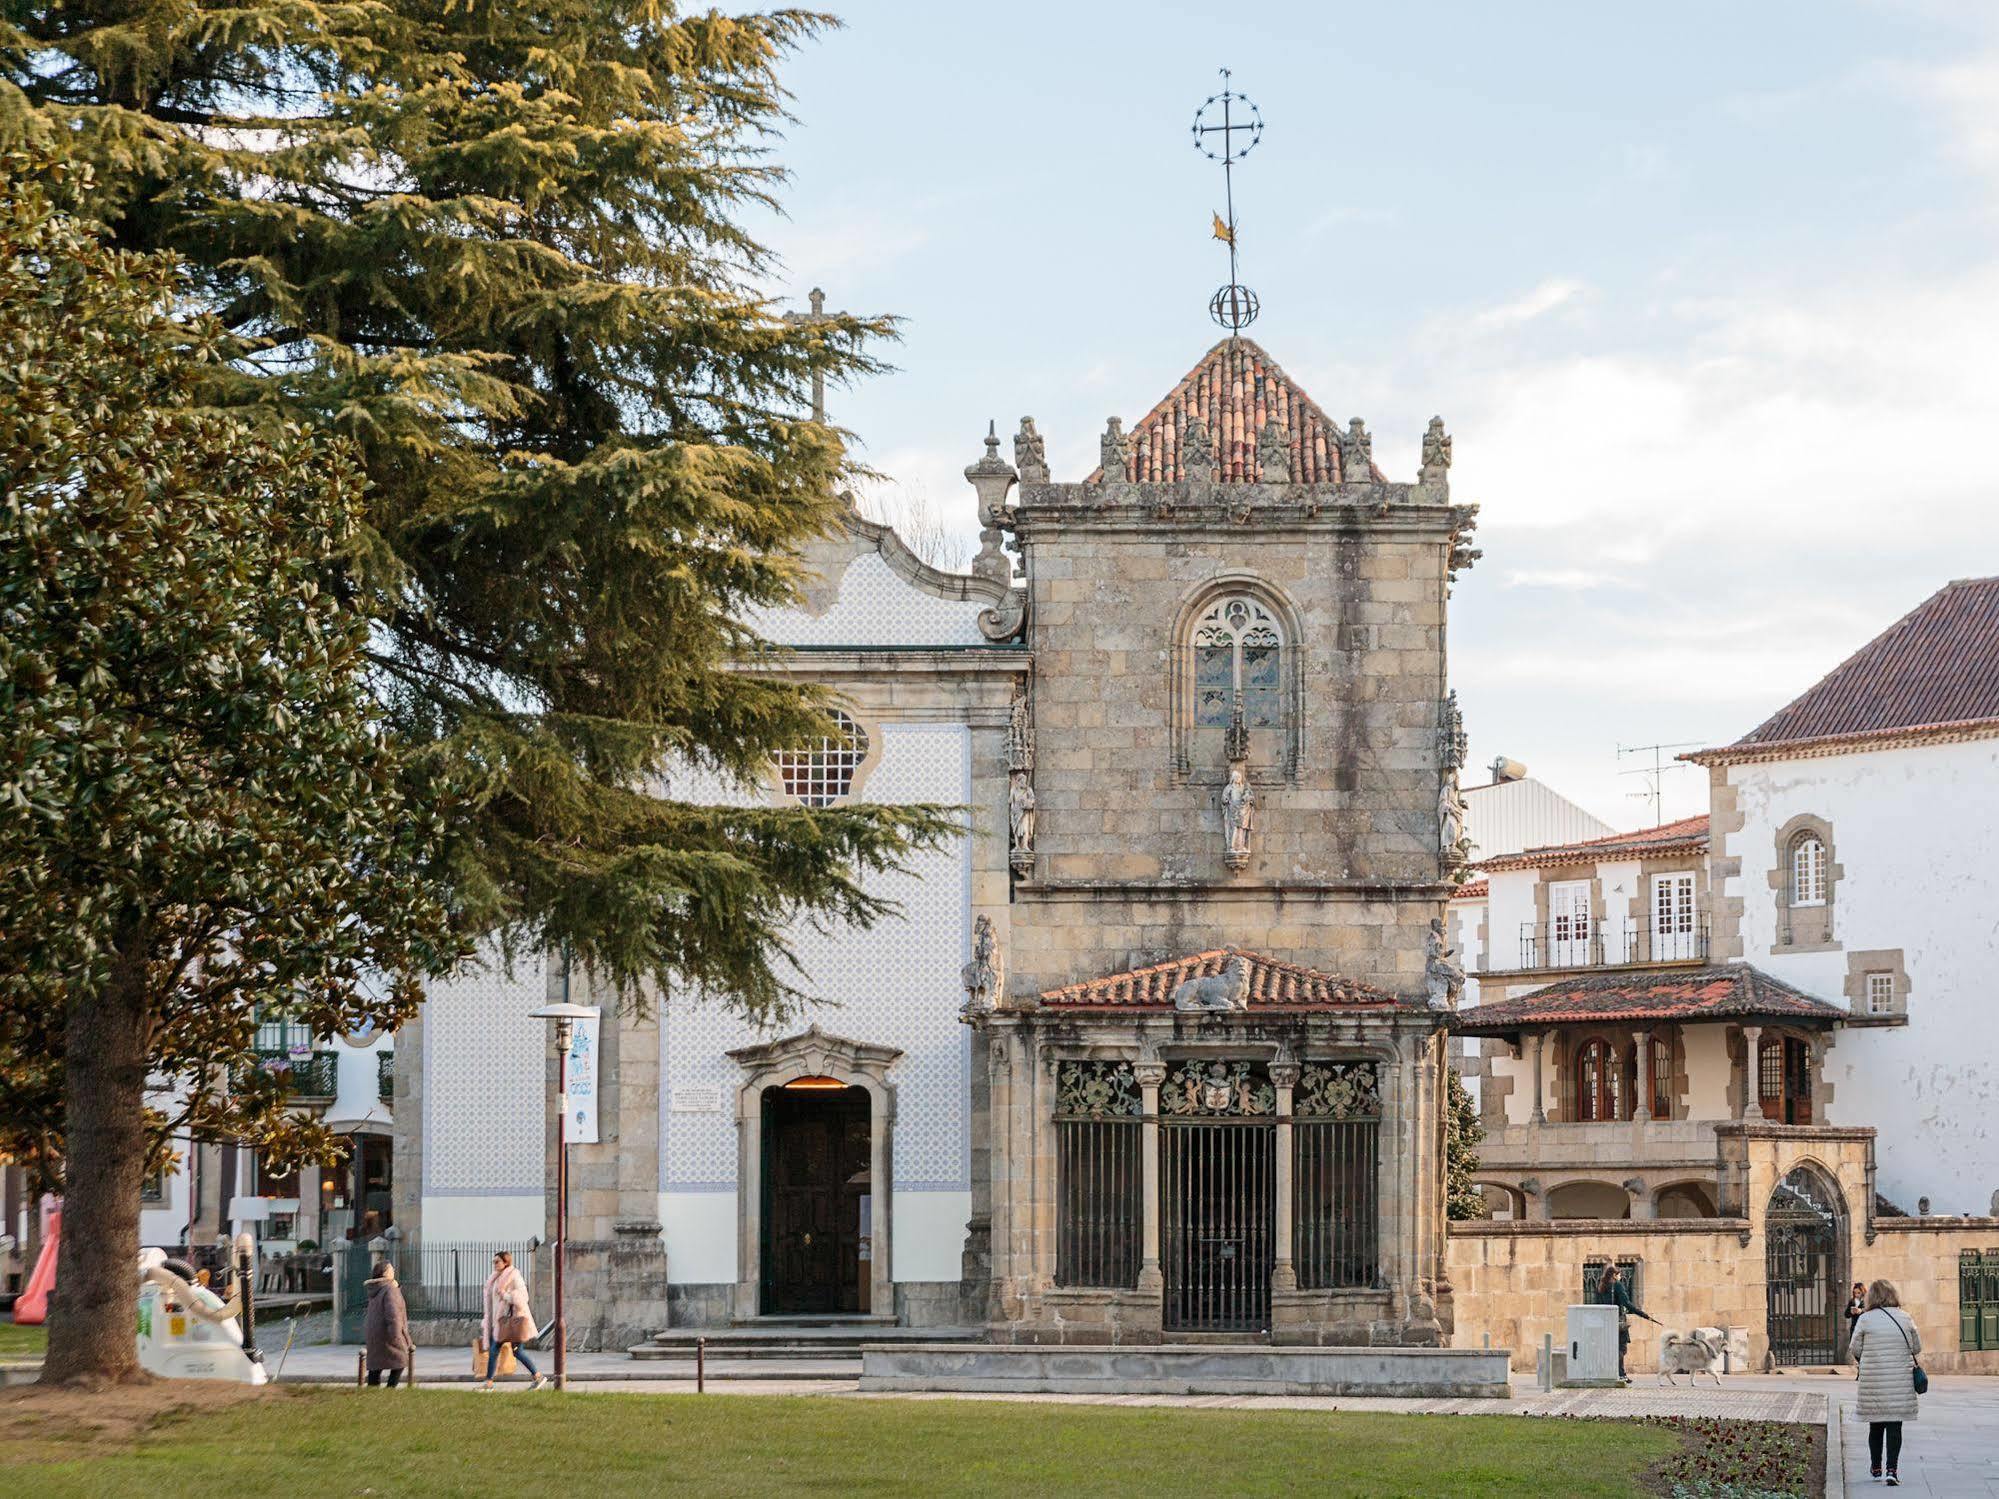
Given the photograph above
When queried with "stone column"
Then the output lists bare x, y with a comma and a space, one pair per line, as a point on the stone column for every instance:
1540, 1114
1150, 1075
1283, 1274
1642, 1105
1752, 1079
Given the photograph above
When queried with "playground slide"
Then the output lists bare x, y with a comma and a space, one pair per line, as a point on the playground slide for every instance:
32, 1309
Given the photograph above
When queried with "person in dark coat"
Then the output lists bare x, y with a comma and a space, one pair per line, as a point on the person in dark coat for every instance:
386, 1327
1614, 1290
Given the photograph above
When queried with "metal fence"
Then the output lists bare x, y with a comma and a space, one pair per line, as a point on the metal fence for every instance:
440, 1282
1098, 1175
1336, 1229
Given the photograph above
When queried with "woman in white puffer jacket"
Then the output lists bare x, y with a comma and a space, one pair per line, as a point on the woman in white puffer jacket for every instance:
1885, 1344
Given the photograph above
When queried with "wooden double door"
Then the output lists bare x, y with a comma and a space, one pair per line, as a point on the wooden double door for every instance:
815, 1196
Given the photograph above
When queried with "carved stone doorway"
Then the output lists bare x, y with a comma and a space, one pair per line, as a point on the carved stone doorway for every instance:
815, 1198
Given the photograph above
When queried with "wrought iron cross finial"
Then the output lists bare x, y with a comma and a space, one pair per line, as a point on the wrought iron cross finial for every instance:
1235, 305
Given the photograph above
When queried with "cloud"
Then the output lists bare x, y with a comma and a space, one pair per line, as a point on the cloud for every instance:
1550, 294
1966, 95
1573, 579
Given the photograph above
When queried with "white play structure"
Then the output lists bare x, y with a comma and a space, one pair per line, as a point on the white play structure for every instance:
186, 1331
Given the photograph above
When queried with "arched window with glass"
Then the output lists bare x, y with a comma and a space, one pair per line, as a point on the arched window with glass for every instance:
1600, 1083
1238, 649
1808, 870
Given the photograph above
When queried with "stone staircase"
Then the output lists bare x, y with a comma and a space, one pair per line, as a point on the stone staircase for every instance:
808, 1347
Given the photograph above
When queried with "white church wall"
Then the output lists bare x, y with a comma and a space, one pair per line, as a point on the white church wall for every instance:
896, 985
484, 1118
876, 607
1913, 831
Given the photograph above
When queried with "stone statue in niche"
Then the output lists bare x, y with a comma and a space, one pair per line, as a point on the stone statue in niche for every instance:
1227, 990
1197, 452
1020, 818
1444, 979
985, 975
1273, 453
1356, 454
1114, 449
1238, 796
1453, 842
1030, 456
1435, 475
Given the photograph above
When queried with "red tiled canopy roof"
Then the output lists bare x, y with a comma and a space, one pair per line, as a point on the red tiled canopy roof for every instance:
1937, 665
1234, 390
1687, 833
1273, 984
1732, 991
1471, 890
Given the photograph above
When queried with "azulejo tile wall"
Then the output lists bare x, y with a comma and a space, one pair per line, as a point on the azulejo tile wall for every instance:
875, 607
897, 985
483, 1062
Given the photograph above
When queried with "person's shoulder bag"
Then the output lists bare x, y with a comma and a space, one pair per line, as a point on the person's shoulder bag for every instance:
1917, 1377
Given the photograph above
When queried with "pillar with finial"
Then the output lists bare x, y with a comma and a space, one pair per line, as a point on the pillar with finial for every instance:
1356, 454
1030, 454
991, 477
1114, 451
1435, 475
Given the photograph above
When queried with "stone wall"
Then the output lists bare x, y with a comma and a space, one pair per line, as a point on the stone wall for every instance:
1920, 1256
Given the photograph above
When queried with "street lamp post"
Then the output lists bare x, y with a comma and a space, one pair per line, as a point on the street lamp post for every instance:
565, 1017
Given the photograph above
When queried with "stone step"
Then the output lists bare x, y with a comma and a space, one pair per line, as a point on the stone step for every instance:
791, 1341
817, 1353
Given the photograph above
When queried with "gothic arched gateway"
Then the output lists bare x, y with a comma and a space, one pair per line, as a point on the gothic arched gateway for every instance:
1804, 1253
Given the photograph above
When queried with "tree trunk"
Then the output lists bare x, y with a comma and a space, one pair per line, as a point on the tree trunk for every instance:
93, 1315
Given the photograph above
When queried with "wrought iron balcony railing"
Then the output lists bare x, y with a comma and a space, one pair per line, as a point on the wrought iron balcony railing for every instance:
1571, 943
314, 1078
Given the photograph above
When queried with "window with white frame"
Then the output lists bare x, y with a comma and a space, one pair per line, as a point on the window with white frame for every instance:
1675, 926
1238, 647
1881, 993
1808, 870
822, 772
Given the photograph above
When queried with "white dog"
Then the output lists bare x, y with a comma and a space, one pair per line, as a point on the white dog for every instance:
1693, 1354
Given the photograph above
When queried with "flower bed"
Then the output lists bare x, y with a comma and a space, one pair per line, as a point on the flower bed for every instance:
1725, 1459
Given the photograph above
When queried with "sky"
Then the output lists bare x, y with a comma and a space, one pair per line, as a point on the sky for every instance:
1707, 294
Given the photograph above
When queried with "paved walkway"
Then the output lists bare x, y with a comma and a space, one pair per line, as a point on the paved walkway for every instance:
1952, 1452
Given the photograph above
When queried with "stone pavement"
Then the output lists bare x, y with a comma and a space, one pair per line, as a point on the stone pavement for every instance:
1952, 1452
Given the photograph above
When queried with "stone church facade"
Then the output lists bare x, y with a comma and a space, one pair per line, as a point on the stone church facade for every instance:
1156, 1049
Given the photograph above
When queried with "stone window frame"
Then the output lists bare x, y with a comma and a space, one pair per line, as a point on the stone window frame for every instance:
1861, 965
1812, 926
1194, 605
870, 729
770, 1064
1599, 915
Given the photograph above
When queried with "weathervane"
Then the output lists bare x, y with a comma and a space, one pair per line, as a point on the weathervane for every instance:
1234, 306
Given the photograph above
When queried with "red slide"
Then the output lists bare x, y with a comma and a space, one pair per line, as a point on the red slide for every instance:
32, 1309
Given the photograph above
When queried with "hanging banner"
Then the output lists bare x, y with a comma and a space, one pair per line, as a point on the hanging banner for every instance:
580, 1127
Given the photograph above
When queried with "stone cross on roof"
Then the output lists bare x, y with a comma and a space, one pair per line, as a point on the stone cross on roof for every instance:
818, 314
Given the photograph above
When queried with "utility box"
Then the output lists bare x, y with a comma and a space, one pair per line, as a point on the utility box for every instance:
1592, 1346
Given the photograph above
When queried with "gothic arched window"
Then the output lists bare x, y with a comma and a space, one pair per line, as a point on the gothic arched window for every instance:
1238, 648
821, 772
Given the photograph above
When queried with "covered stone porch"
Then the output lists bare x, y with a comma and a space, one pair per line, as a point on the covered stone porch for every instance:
1602, 1094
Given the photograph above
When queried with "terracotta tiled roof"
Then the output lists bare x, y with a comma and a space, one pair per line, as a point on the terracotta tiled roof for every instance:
1936, 666
1273, 984
1470, 890
1731, 991
1689, 833
1235, 389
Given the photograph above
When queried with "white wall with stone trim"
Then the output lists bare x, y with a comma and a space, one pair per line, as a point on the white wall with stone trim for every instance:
1914, 832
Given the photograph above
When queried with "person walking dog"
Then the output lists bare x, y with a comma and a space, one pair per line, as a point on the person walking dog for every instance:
1613, 1290
507, 1318
386, 1327
1885, 1344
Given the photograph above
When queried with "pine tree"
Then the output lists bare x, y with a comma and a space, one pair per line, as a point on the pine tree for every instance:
199, 818
1462, 1136
499, 246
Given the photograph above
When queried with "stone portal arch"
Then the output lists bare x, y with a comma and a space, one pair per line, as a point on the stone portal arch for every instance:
813, 1059
1804, 1250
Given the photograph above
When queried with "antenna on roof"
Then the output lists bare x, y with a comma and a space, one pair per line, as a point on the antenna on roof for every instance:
1227, 127
1655, 773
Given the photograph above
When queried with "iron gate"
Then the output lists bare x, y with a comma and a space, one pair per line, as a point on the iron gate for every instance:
1218, 1194
1801, 1252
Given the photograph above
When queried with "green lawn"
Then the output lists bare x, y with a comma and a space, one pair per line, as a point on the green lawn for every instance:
300, 1445
22, 1342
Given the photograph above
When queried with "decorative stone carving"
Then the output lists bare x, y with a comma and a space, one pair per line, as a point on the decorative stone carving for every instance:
1029, 455
1097, 1090
1451, 741
1020, 819
1356, 454
1338, 1090
1006, 619
1435, 475
1227, 990
985, 975
1197, 452
1273, 453
1114, 449
991, 477
1238, 815
1197, 1087
1444, 979
1453, 842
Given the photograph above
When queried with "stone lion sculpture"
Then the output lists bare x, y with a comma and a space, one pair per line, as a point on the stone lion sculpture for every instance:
1227, 990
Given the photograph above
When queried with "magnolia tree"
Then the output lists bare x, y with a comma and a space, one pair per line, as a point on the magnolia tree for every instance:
199, 817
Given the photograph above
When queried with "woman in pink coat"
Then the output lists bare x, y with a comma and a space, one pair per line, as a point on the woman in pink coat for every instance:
507, 1318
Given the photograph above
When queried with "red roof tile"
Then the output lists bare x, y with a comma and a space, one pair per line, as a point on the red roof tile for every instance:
1936, 665
1687, 832
1235, 389
1470, 890
1728, 991
1273, 984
